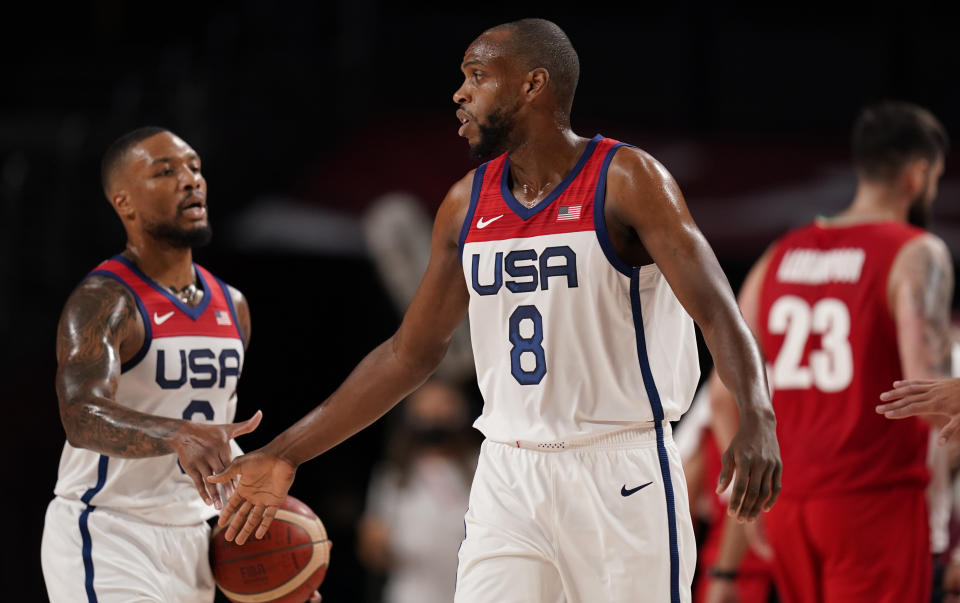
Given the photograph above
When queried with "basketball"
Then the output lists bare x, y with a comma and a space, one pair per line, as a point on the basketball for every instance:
285, 566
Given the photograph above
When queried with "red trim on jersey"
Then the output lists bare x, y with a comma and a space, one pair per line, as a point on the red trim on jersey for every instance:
500, 221
166, 318
834, 442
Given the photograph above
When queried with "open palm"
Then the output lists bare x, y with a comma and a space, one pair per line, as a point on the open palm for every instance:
264, 480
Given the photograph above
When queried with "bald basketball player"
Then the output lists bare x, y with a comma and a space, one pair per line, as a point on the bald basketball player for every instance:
149, 349
581, 269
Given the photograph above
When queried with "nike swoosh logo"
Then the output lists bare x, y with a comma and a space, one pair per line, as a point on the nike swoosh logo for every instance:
624, 492
161, 319
482, 224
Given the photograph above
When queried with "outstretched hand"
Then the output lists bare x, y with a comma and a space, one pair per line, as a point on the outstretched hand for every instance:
753, 457
204, 449
264, 480
916, 397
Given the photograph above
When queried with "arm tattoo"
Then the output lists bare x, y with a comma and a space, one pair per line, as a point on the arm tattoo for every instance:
932, 291
98, 318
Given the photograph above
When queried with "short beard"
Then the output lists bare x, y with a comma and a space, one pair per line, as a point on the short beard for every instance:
181, 238
919, 215
920, 212
494, 135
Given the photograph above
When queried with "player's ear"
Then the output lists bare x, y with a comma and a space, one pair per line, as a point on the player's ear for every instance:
915, 174
535, 82
120, 201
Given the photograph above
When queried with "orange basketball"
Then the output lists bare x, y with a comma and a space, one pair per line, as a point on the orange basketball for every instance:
285, 566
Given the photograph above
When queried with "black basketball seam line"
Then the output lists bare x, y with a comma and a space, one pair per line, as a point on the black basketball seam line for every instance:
283, 550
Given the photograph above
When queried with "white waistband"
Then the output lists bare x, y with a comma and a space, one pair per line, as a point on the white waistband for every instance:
622, 438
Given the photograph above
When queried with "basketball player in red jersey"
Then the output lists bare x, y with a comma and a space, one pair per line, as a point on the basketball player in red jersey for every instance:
607, 360
149, 351
842, 308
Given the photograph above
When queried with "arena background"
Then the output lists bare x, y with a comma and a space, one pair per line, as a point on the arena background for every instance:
306, 113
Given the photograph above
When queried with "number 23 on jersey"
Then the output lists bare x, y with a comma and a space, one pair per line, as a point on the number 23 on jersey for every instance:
828, 367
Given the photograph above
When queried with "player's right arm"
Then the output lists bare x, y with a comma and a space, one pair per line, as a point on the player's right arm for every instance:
385, 376
99, 329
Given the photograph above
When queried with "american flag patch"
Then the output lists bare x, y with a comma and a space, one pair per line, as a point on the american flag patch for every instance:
568, 212
222, 318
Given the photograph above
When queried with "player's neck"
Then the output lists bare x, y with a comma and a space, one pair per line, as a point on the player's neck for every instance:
875, 203
542, 161
168, 266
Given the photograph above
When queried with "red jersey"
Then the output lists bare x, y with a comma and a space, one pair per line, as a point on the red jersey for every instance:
831, 345
755, 580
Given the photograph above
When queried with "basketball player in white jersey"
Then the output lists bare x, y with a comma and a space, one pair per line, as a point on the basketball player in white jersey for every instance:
149, 350
581, 269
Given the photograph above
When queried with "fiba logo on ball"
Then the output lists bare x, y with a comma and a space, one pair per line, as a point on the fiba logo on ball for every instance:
285, 566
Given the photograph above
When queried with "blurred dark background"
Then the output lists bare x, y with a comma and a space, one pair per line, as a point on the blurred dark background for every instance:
306, 113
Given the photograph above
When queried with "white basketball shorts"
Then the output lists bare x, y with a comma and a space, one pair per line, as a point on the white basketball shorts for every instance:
604, 519
105, 557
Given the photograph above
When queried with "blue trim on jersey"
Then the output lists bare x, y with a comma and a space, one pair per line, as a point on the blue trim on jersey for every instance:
599, 220
101, 480
193, 312
474, 199
526, 213
147, 330
233, 311
87, 555
657, 407
87, 548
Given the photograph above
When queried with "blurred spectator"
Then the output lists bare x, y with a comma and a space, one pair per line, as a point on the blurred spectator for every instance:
413, 523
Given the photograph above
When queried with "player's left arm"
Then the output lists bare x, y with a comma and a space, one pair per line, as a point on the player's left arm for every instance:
643, 198
920, 290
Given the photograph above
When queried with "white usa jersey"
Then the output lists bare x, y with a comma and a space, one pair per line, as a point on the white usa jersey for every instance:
569, 341
188, 368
